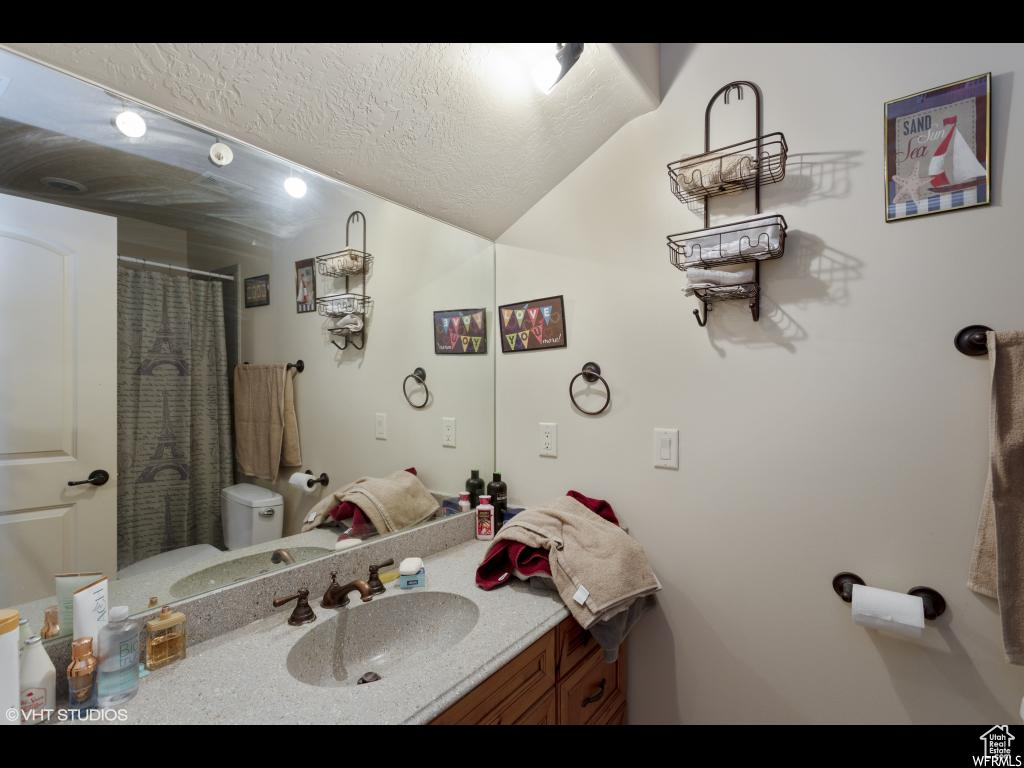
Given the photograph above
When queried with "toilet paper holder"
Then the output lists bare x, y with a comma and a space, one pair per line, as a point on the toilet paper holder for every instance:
934, 603
323, 479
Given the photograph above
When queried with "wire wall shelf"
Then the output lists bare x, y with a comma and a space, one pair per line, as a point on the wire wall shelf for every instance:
729, 169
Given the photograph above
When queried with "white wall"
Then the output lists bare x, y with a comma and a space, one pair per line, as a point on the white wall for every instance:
420, 265
841, 432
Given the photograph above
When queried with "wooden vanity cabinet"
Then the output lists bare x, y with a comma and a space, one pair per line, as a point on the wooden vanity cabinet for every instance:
561, 679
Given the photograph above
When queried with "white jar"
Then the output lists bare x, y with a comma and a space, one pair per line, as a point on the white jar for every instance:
9, 690
38, 682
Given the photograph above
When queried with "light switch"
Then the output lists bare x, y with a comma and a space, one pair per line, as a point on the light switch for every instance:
448, 431
666, 448
380, 426
548, 439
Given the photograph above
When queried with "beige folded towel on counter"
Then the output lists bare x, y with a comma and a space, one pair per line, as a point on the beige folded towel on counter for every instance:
997, 561
392, 503
598, 569
266, 426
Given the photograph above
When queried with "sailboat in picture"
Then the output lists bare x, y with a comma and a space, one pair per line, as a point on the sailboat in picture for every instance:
954, 165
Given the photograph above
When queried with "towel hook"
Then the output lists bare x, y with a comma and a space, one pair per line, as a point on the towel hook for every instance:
420, 377
934, 603
696, 313
591, 373
972, 340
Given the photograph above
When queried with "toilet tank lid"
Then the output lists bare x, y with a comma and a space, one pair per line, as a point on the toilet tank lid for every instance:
252, 495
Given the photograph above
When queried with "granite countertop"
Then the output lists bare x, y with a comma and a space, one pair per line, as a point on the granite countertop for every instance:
242, 677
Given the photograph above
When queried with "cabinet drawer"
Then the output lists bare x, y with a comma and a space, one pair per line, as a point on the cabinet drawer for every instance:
585, 694
574, 643
508, 694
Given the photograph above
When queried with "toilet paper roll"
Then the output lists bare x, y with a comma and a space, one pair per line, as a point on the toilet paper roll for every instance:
301, 481
890, 611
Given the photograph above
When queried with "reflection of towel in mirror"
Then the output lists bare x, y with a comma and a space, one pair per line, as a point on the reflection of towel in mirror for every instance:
266, 427
390, 503
598, 569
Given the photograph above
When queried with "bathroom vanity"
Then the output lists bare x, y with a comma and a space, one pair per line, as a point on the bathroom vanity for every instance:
562, 679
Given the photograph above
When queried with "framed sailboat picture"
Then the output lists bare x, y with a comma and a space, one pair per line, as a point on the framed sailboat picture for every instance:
937, 149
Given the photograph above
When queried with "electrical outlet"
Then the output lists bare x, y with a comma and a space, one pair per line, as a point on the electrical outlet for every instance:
666, 448
380, 426
548, 439
448, 431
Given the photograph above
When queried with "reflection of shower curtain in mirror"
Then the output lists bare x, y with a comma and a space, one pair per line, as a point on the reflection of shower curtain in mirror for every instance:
173, 414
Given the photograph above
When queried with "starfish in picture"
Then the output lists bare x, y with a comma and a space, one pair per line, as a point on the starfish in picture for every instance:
910, 188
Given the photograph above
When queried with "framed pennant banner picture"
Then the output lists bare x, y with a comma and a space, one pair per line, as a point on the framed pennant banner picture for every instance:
532, 325
460, 332
938, 149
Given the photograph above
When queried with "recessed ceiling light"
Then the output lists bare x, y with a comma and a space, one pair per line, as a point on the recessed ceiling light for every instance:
131, 124
547, 72
295, 186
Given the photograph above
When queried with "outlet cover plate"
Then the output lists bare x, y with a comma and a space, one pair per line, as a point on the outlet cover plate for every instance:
548, 439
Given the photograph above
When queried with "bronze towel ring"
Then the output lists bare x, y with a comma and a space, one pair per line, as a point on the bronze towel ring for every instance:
591, 372
420, 377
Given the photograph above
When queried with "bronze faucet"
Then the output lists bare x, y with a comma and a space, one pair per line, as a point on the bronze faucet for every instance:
376, 585
281, 556
302, 614
337, 597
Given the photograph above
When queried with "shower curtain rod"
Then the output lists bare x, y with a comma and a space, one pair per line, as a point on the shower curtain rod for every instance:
174, 266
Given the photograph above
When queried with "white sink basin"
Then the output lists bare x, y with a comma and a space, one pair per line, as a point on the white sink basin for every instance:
386, 636
239, 569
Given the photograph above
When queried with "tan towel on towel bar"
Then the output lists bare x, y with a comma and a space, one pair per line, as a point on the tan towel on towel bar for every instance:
391, 503
266, 427
997, 562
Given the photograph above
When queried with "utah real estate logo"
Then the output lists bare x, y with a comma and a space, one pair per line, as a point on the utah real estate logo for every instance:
997, 749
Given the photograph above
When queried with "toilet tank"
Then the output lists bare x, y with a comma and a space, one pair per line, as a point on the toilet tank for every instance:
251, 515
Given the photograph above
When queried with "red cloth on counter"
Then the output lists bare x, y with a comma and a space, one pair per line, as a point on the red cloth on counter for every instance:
507, 557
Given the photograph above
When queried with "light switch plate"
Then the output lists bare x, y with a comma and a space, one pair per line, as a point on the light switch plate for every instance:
380, 426
548, 439
448, 431
666, 448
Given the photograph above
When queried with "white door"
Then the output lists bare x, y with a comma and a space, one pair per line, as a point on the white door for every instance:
58, 398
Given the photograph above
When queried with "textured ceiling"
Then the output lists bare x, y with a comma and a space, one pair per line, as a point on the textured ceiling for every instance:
457, 131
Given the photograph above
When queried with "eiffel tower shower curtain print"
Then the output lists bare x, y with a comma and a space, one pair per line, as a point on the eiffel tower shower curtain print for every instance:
174, 450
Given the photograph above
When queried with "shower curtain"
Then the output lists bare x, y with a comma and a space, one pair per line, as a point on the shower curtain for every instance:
173, 413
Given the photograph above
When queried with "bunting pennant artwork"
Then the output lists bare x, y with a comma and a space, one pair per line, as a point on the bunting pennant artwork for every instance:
533, 325
461, 331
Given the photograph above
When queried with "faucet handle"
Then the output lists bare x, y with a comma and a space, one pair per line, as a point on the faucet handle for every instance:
302, 614
373, 581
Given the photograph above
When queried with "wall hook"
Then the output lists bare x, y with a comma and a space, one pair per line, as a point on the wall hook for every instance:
696, 313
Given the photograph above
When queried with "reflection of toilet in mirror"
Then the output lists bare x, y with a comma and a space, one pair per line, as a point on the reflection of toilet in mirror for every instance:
250, 515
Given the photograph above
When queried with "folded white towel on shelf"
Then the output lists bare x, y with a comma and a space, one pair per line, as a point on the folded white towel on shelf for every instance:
757, 242
713, 172
351, 323
699, 276
720, 290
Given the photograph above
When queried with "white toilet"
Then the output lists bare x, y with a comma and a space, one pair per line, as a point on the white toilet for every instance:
250, 515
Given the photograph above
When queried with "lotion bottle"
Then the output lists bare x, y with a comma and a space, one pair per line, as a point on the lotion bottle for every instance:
485, 519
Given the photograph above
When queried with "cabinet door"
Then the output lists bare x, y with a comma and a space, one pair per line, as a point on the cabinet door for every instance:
574, 643
508, 694
544, 712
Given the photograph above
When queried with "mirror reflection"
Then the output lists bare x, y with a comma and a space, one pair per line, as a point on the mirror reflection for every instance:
228, 364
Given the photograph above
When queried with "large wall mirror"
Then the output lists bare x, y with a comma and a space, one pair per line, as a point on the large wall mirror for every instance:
142, 260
